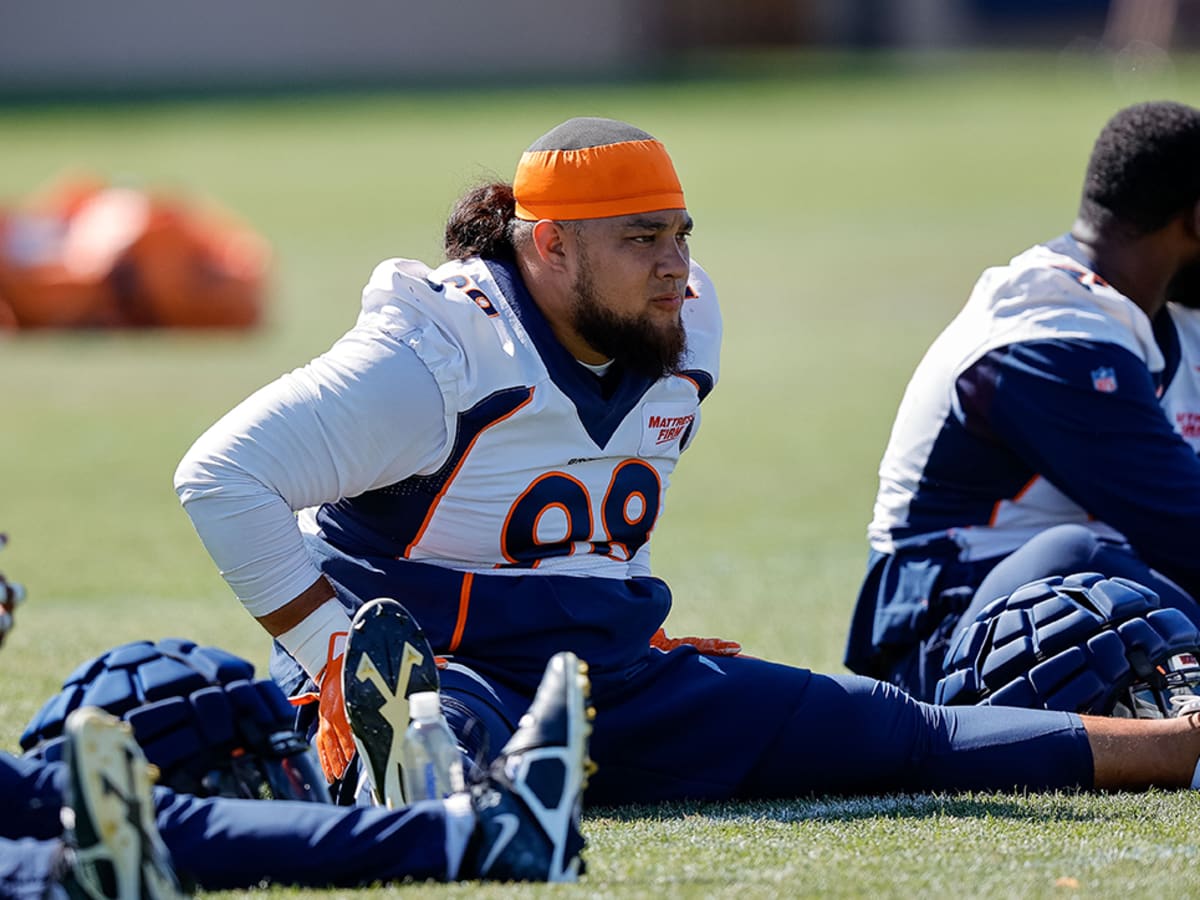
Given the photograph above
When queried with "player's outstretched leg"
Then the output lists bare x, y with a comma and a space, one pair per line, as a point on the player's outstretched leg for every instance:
387, 660
109, 814
529, 803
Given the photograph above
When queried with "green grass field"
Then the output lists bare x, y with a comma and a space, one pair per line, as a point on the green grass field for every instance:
844, 212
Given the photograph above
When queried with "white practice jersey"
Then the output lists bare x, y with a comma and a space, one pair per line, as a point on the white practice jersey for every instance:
1042, 404
950, 467
531, 462
1181, 399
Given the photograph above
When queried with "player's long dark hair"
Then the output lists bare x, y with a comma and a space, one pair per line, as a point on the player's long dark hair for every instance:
481, 224
1143, 169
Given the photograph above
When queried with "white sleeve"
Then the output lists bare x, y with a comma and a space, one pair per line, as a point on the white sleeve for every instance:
364, 415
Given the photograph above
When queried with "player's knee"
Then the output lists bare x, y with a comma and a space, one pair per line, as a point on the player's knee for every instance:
1071, 547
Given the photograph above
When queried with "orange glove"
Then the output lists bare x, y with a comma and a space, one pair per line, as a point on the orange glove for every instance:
707, 646
335, 741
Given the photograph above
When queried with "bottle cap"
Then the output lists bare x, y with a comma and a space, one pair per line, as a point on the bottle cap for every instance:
425, 706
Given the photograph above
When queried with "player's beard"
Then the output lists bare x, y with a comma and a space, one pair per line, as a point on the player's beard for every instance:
637, 342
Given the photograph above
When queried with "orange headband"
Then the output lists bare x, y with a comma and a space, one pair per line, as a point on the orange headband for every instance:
596, 182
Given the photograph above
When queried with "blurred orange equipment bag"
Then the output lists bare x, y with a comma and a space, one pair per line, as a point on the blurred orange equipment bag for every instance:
89, 255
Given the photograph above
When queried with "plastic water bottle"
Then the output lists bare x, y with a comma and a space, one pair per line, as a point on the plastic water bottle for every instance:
431, 763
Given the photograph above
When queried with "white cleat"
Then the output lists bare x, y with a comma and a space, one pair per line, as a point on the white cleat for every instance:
108, 815
529, 805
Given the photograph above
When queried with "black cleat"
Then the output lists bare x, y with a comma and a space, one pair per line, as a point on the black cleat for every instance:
387, 659
108, 815
528, 806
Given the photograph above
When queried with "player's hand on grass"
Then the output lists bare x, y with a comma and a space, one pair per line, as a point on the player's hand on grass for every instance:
11, 596
334, 740
707, 646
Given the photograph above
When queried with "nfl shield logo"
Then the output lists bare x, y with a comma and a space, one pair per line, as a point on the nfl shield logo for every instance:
1104, 379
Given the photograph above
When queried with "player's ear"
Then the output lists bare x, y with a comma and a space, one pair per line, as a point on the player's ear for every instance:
549, 240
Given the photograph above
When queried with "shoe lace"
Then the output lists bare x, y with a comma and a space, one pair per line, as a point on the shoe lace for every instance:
477, 766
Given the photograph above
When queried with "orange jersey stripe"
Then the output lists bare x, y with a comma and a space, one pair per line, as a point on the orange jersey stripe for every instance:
464, 605
1015, 498
449, 481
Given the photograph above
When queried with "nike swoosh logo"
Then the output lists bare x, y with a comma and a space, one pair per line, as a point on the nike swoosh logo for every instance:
509, 826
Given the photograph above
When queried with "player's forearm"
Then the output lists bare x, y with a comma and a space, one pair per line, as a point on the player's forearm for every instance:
252, 536
296, 611
306, 625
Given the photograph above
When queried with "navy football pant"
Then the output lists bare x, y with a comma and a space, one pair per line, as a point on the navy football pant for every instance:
1065, 550
224, 844
719, 728
28, 867
680, 725
912, 657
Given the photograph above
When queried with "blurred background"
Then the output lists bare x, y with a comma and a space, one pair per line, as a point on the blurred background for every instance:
140, 46
852, 166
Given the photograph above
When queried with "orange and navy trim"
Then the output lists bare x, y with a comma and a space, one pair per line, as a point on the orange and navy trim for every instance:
464, 607
380, 521
496, 409
1016, 498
